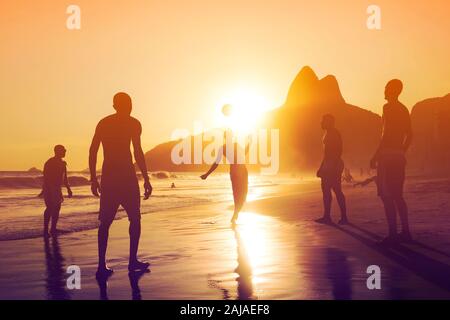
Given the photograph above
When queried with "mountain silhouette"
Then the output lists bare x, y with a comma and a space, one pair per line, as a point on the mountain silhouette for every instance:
298, 120
308, 89
430, 149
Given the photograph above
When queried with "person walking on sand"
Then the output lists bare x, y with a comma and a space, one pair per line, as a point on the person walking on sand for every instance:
55, 174
119, 183
330, 171
238, 172
390, 161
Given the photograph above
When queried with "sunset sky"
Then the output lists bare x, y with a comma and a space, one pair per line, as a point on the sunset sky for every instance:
180, 59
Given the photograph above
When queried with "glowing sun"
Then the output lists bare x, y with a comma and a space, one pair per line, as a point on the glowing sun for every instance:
242, 109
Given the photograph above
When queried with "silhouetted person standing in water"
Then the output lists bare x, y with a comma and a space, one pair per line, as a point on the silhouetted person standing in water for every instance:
390, 161
238, 173
331, 170
55, 174
119, 184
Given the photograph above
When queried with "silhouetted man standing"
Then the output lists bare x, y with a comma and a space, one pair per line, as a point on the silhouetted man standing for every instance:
331, 170
55, 174
390, 161
119, 184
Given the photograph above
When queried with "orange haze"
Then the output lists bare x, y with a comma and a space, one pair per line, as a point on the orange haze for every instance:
177, 59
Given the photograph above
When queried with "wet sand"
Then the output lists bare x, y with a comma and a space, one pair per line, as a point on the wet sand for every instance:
276, 251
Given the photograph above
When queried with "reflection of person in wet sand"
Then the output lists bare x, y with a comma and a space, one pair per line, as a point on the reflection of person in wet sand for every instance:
238, 173
243, 269
331, 169
134, 278
119, 183
390, 161
244, 279
56, 274
55, 174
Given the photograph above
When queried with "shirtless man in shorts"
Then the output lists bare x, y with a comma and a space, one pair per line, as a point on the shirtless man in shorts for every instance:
119, 183
330, 171
390, 161
55, 174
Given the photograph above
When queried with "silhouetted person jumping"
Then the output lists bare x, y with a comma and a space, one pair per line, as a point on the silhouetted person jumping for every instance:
119, 183
238, 174
55, 174
331, 169
390, 161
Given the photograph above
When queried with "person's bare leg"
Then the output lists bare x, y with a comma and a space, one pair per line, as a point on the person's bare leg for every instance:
240, 191
327, 198
340, 197
135, 235
403, 213
238, 204
236, 199
47, 215
391, 216
103, 234
55, 217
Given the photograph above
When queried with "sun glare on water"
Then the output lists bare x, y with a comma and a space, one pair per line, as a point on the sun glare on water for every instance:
253, 241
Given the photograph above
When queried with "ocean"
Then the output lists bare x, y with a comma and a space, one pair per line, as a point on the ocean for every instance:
21, 210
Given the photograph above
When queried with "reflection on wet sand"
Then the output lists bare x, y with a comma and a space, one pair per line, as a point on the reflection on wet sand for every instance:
103, 286
254, 257
55, 273
339, 273
244, 269
134, 278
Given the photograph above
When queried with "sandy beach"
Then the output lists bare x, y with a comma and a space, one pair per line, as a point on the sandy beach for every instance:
277, 251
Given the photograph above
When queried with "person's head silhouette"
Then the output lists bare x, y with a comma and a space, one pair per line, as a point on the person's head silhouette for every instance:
60, 151
393, 90
122, 103
327, 122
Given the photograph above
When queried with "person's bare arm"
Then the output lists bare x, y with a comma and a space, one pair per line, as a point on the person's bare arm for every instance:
66, 182
140, 159
374, 160
44, 180
211, 170
214, 165
409, 135
365, 182
93, 151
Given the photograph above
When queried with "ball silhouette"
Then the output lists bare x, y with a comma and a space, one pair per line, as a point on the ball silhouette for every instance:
227, 110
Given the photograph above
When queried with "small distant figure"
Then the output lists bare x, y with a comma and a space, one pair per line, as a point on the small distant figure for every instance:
331, 170
390, 161
173, 185
347, 176
55, 174
119, 183
238, 175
